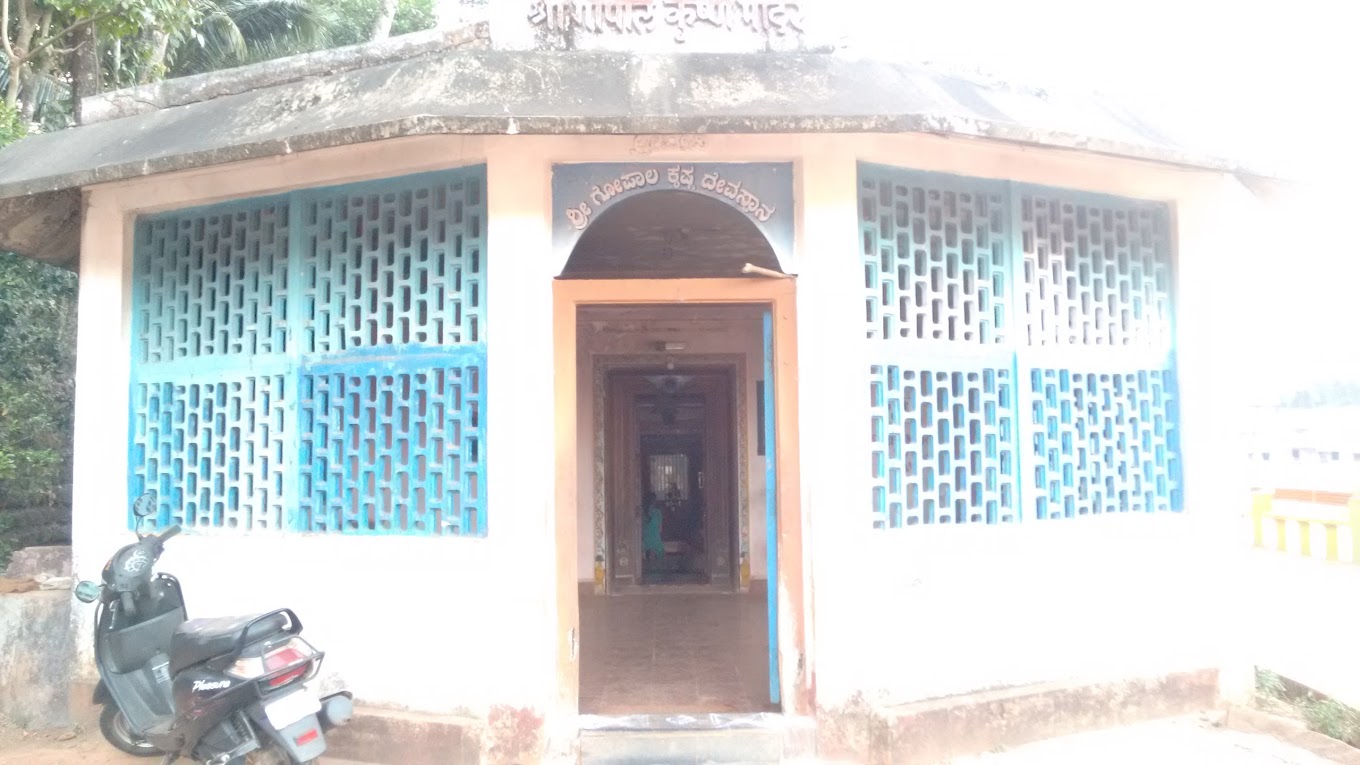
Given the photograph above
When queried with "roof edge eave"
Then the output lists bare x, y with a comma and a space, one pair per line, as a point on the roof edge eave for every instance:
428, 125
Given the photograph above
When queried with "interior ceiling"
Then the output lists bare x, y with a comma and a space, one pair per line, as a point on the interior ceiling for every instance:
669, 234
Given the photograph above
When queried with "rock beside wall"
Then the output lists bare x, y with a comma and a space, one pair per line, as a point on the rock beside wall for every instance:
36, 658
54, 560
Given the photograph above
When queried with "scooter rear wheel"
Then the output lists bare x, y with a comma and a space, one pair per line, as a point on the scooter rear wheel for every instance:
116, 730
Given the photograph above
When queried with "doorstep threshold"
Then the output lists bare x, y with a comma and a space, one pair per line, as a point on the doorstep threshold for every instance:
683, 721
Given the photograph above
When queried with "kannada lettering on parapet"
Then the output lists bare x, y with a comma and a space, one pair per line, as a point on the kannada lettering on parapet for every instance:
677, 177
643, 17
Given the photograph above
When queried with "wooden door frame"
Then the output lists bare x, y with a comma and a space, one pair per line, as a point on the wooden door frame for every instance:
779, 296
601, 365
720, 462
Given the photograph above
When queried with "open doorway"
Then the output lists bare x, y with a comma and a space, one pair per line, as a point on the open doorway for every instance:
673, 332
674, 511
676, 622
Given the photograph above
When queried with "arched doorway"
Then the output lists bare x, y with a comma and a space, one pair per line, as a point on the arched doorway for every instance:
669, 235
675, 551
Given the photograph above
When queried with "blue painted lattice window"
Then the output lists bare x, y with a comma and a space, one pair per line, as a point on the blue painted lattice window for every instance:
391, 266
391, 447
980, 297
212, 283
935, 258
315, 361
1103, 426
943, 446
215, 450
1096, 273
1104, 443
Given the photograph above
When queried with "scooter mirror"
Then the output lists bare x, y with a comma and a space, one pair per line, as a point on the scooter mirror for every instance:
144, 505
146, 525
87, 592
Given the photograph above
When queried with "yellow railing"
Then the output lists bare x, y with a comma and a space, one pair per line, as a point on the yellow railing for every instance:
1323, 524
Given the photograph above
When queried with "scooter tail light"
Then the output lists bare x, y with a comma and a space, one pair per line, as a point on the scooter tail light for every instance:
293, 652
247, 669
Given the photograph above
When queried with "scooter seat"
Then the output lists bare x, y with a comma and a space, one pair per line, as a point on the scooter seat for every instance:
198, 640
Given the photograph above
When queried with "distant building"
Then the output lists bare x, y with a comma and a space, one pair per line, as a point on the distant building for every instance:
1304, 448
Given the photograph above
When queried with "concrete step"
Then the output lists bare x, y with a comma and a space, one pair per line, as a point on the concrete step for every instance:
684, 747
390, 737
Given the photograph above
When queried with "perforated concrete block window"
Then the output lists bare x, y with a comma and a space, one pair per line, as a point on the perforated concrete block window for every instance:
1021, 346
315, 361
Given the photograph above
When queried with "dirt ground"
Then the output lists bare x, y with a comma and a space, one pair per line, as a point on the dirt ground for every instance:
1181, 741
59, 747
74, 747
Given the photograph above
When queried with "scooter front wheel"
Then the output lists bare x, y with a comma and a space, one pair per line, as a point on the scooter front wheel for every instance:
115, 728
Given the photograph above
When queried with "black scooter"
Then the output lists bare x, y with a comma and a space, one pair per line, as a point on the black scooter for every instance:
227, 691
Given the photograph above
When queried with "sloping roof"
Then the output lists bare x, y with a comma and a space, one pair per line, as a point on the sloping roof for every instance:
346, 97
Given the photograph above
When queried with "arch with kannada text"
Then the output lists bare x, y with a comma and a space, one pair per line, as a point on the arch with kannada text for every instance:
642, 215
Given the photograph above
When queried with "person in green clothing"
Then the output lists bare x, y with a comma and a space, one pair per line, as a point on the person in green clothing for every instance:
652, 547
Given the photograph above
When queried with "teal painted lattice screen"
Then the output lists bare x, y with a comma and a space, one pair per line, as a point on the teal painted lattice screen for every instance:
944, 445
1096, 273
935, 259
1021, 351
315, 361
1103, 443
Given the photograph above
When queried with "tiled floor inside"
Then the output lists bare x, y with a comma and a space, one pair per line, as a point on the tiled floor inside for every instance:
660, 652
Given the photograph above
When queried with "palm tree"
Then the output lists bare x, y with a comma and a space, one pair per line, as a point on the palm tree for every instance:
237, 32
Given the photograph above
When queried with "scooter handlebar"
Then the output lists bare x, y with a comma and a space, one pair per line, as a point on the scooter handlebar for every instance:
170, 532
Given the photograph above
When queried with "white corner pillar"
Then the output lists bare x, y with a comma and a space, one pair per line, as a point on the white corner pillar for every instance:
519, 416
99, 505
830, 314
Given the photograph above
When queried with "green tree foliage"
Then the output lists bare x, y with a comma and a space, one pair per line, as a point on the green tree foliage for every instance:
37, 367
39, 39
237, 32
12, 125
355, 18
49, 44
37, 362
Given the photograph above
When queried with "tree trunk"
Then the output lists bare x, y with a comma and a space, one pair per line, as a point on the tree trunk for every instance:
12, 90
116, 76
84, 68
21, 26
30, 105
382, 26
155, 65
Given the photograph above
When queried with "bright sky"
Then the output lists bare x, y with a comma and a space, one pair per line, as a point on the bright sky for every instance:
1274, 74
1274, 81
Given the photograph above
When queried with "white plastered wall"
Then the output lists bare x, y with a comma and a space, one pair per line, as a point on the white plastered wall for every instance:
452, 625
